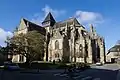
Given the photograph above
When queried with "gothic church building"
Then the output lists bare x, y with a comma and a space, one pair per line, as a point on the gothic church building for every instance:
67, 41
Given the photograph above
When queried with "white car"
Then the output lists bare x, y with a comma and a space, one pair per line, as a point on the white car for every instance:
99, 64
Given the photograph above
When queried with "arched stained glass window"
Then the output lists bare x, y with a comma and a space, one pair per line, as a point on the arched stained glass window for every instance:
56, 55
56, 44
80, 47
81, 51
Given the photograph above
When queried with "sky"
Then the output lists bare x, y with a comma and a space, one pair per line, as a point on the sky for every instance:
103, 14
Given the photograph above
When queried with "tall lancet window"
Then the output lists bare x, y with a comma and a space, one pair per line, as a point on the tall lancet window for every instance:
21, 58
81, 51
56, 44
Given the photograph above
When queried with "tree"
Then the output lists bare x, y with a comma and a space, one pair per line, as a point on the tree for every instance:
1, 55
30, 45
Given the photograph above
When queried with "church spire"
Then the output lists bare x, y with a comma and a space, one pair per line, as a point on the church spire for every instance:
92, 30
49, 20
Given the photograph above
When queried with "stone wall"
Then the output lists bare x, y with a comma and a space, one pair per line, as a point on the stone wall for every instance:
70, 46
16, 58
52, 51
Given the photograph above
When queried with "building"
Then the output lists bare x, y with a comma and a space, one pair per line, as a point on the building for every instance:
113, 54
67, 40
24, 27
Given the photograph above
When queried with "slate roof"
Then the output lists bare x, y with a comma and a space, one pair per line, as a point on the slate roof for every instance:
32, 26
55, 24
114, 48
49, 17
68, 22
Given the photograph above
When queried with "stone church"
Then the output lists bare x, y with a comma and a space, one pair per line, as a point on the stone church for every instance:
66, 41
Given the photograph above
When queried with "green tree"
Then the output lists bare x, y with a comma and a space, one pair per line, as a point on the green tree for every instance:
1, 55
31, 45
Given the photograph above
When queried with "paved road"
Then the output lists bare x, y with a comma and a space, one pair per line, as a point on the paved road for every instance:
106, 72
107, 67
96, 74
16, 75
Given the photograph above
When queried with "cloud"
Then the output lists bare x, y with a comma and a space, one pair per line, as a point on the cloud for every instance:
86, 17
38, 17
3, 35
55, 12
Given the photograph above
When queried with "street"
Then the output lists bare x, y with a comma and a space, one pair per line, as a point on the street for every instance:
105, 72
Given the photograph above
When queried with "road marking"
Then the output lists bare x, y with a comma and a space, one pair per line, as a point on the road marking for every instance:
57, 74
76, 73
96, 79
63, 75
78, 76
87, 78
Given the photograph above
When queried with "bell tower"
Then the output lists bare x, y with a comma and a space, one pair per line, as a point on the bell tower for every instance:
48, 21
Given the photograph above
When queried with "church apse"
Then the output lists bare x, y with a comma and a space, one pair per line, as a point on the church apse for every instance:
69, 41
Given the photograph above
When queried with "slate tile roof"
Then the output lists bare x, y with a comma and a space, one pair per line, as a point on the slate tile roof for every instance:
33, 26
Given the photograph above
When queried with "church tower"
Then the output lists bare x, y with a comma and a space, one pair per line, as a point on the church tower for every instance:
49, 20
48, 23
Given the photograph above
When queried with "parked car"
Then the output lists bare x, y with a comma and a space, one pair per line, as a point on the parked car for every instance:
11, 66
99, 64
1, 66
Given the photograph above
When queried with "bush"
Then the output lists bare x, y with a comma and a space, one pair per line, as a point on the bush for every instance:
83, 65
62, 66
42, 65
39, 65
45, 65
23, 65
